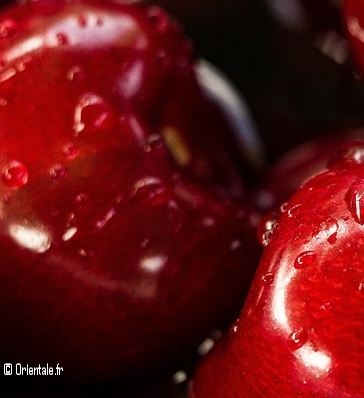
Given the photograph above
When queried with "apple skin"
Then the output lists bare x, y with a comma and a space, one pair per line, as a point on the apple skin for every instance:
125, 236
300, 331
301, 163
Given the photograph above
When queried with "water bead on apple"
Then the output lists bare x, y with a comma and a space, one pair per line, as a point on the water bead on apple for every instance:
299, 333
125, 233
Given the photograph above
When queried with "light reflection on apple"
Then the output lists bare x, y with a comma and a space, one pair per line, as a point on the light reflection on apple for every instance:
33, 238
318, 362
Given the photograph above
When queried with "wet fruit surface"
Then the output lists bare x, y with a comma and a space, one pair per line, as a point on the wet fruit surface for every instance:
304, 162
300, 330
124, 231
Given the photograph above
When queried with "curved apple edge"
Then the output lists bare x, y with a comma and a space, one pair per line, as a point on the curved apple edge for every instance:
221, 91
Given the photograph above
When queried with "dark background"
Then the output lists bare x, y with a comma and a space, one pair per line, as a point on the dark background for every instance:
295, 92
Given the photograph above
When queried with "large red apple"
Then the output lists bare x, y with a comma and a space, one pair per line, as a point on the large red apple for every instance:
124, 233
300, 332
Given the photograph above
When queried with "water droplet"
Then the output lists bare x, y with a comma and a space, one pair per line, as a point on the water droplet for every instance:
21, 66
298, 338
292, 211
69, 234
70, 151
355, 201
179, 377
107, 217
348, 154
330, 227
268, 278
58, 172
153, 264
82, 253
153, 139
326, 306
284, 207
70, 218
92, 113
268, 226
15, 174
332, 238
205, 347
8, 28
304, 259
82, 21
361, 287
266, 237
3, 101
76, 74
151, 189
62, 39
81, 198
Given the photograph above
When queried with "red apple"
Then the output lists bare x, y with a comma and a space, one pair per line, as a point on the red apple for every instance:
299, 164
125, 236
300, 332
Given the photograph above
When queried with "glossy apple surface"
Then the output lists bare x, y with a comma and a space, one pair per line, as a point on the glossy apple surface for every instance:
300, 332
300, 164
124, 233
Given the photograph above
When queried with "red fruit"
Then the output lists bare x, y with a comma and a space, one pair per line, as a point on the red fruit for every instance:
299, 164
300, 332
124, 234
